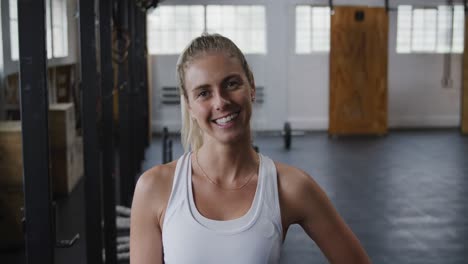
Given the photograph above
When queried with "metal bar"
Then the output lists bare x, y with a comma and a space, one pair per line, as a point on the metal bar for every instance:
387, 7
165, 137
107, 84
135, 77
39, 226
92, 158
133, 103
124, 111
447, 71
145, 102
140, 21
330, 3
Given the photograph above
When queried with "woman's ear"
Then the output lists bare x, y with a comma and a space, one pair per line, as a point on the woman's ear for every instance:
253, 88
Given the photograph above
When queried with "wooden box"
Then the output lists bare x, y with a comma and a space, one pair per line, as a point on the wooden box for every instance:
11, 160
66, 162
66, 167
11, 227
61, 125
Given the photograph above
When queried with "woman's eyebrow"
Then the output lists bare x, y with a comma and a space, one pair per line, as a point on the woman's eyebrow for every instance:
200, 87
230, 76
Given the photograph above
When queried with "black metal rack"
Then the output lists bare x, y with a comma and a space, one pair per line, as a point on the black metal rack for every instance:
101, 168
39, 225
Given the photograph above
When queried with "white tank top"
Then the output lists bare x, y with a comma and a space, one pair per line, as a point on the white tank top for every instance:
190, 238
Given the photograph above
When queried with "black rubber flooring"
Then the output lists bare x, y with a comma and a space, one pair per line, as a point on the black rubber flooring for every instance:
405, 195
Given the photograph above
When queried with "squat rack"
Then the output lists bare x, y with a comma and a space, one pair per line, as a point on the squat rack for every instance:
97, 93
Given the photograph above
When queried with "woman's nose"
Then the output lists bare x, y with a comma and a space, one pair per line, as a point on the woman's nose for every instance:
221, 101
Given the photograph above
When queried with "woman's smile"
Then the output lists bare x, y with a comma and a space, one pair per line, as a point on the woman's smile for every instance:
227, 120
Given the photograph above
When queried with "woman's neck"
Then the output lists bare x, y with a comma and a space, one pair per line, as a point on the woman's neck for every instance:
227, 163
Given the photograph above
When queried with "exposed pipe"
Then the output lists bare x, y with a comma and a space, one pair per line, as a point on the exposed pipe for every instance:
447, 74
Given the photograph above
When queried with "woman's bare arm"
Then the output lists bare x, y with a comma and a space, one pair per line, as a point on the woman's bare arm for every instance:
310, 207
150, 199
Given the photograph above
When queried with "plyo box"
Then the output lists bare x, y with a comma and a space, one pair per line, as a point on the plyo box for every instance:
65, 148
67, 167
11, 160
61, 125
11, 202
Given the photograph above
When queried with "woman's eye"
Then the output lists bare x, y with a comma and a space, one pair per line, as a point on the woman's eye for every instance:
232, 84
203, 94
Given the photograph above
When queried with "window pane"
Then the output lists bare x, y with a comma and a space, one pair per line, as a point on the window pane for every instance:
243, 24
312, 29
404, 29
424, 33
170, 28
14, 45
59, 28
431, 30
303, 29
48, 30
320, 28
458, 29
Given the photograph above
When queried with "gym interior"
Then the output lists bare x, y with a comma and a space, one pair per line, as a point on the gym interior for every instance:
368, 97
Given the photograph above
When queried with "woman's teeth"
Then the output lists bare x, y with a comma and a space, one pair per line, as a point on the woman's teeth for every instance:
227, 119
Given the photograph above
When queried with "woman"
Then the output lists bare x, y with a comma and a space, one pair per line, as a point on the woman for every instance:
222, 202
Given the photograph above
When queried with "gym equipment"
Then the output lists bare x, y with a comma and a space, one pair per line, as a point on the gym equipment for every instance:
123, 227
287, 134
167, 146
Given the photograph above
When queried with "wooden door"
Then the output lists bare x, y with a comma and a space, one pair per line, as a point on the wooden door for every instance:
464, 101
358, 71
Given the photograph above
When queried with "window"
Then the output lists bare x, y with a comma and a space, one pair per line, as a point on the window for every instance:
424, 29
170, 28
430, 30
56, 29
312, 29
244, 25
59, 28
14, 44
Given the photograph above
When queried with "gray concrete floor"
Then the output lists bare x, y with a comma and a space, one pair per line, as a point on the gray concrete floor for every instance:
405, 195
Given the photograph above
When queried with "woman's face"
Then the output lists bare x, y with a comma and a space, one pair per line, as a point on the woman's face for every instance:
219, 97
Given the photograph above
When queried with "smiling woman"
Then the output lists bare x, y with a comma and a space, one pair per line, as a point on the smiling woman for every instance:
222, 202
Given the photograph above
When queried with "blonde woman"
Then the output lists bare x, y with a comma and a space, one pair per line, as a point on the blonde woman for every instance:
222, 202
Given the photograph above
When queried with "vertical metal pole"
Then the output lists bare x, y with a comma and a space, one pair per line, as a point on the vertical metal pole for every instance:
40, 231
139, 61
92, 157
145, 102
133, 92
125, 157
107, 84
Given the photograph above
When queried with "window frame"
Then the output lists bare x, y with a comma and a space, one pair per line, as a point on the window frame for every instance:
438, 42
49, 31
264, 49
311, 49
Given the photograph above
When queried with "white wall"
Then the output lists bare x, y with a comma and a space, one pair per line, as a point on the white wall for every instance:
297, 86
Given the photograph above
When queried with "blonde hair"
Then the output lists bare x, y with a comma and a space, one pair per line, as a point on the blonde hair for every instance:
191, 134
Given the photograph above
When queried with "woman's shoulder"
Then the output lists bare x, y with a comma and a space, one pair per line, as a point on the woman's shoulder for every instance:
290, 176
154, 186
298, 190
157, 176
